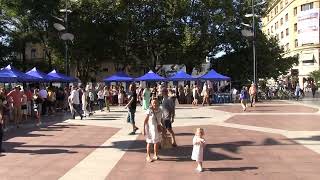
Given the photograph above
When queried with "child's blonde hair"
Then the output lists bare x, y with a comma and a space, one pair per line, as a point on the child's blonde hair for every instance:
200, 130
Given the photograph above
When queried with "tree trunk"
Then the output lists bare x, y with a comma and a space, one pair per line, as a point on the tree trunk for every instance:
24, 60
189, 68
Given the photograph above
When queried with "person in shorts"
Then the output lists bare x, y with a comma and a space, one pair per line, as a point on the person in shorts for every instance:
24, 106
37, 106
16, 96
168, 113
132, 105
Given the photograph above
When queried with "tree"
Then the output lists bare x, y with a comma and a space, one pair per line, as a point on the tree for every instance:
316, 76
31, 22
270, 62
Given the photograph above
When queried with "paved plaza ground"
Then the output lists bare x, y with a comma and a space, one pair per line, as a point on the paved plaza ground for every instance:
277, 140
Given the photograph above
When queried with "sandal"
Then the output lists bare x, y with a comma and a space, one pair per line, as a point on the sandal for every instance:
156, 158
149, 160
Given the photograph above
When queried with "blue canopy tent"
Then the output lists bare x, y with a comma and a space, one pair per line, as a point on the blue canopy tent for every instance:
150, 76
62, 77
10, 75
118, 77
182, 76
213, 75
41, 75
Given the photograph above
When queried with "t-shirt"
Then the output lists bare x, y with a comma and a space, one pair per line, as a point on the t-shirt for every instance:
75, 97
244, 94
91, 96
100, 94
43, 93
16, 96
168, 108
133, 104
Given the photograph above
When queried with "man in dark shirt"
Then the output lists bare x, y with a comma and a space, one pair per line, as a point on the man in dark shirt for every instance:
132, 105
168, 113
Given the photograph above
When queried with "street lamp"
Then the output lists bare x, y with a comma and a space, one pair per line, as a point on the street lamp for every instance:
65, 36
253, 35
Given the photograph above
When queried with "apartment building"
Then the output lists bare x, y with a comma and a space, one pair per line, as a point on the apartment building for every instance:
295, 23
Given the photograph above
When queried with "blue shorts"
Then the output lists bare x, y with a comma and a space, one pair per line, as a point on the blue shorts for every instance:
131, 115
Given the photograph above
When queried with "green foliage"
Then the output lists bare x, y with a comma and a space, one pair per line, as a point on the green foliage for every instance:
270, 63
142, 34
316, 76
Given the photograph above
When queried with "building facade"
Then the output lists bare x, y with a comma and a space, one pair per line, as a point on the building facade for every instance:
295, 23
33, 52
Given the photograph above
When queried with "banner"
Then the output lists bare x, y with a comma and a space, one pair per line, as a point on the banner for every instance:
308, 27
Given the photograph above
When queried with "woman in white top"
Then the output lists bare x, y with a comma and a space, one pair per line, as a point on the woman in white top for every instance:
121, 96
205, 94
84, 100
100, 99
195, 94
106, 97
150, 129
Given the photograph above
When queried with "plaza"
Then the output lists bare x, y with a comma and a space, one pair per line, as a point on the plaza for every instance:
274, 140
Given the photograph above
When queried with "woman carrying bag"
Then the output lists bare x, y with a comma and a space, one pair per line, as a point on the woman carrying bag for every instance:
152, 129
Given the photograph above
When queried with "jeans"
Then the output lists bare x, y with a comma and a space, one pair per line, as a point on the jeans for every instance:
76, 109
100, 101
131, 115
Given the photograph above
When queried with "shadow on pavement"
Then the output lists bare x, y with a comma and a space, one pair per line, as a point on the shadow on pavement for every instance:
193, 117
42, 151
183, 153
230, 169
184, 134
103, 119
313, 138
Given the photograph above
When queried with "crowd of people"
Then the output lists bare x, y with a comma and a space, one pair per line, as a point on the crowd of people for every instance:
22, 104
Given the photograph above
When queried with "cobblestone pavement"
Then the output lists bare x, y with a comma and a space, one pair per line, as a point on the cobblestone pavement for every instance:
274, 140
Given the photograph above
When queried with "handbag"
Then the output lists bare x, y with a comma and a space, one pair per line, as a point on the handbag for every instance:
166, 141
159, 127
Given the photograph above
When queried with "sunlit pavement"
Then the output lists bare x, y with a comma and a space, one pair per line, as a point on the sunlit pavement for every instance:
274, 140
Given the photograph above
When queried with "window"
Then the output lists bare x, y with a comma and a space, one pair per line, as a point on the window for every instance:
33, 53
268, 31
305, 7
277, 37
282, 35
295, 27
287, 32
287, 47
268, 18
271, 29
295, 11
276, 26
286, 17
276, 10
281, 4
281, 21
296, 43
286, 1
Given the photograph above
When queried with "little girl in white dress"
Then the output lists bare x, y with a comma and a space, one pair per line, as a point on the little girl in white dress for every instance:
198, 146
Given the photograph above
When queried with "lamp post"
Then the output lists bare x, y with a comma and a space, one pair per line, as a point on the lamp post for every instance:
65, 36
253, 34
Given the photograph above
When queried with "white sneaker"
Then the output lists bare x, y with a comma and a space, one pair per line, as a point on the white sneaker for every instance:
199, 169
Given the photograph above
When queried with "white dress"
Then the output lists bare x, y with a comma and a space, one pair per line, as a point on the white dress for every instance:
197, 151
152, 134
